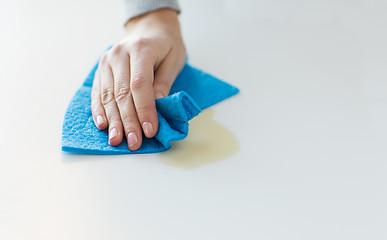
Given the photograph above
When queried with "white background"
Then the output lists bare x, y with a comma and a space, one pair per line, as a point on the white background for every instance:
300, 153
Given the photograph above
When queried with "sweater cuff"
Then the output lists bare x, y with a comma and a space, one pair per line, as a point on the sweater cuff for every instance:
134, 8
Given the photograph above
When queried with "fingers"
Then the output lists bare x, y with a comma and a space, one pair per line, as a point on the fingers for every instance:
109, 103
166, 74
97, 109
125, 88
125, 104
142, 63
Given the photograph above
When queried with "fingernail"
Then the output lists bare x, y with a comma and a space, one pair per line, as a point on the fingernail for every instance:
99, 120
158, 95
113, 133
132, 139
148, 128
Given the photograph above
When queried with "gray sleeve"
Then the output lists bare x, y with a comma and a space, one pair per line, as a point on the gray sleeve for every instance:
134, 8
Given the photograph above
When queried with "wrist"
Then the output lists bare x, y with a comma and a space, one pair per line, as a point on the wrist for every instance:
164, 16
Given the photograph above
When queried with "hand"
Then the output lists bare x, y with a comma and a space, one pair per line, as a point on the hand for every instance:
135, 72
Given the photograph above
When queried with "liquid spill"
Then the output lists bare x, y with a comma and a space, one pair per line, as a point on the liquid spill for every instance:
207, 142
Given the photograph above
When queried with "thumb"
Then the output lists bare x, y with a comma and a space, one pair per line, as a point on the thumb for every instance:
165, 75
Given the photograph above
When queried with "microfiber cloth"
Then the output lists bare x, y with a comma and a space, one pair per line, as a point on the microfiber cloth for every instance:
192, 91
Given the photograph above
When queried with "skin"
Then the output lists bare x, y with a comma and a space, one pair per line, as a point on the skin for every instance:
135, 72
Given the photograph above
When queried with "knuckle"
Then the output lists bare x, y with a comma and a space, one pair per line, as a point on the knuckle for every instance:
141, 43
113, 118
122, 93
104, 59
128, 124
117, 49
137, 80
107, 96
143, 110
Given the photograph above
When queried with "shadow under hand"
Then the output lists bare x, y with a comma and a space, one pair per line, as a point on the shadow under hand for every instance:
207, 142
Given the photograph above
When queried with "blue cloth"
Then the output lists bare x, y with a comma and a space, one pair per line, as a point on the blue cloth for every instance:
192, 91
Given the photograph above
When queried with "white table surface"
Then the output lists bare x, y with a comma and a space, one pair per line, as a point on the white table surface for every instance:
300, 153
